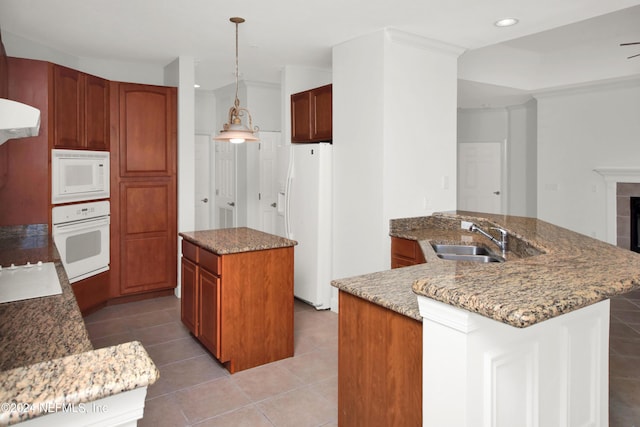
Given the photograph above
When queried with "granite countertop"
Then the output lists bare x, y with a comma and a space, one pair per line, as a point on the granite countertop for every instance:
549, 270
236, 240
46, 356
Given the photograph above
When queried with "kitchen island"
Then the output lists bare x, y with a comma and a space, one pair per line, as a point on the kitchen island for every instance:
237, 294
524, 342
49, 372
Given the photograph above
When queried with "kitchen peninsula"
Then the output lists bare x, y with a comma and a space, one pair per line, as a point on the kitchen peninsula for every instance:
523, 342
237, 294
49, 372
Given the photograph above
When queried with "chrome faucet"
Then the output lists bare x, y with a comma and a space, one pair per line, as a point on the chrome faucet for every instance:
502, 243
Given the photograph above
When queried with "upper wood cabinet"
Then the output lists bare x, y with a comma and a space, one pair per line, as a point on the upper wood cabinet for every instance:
80, 110
312, 115
147, 130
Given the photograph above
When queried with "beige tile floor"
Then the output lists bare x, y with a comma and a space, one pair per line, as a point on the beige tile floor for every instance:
194, 389
301, 391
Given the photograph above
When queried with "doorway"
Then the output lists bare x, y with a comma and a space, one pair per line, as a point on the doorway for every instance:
481, 176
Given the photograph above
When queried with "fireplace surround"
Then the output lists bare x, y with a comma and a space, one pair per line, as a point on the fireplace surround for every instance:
634, 223
621, 185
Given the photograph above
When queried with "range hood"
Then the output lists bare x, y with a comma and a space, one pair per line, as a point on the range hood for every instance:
17, 120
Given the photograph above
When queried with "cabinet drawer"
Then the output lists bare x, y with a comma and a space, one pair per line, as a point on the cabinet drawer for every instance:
210, 261
190, 251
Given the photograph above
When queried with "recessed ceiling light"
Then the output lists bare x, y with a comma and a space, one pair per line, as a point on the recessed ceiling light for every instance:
196, 85
506, 22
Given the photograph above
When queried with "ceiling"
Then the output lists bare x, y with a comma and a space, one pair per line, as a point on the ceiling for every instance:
294, 32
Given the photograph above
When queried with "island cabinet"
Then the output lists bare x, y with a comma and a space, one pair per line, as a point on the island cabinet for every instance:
80, 110
239, 305
379, 365
405, 252
311, 115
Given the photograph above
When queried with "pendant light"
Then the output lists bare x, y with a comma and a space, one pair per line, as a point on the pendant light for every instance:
234, 130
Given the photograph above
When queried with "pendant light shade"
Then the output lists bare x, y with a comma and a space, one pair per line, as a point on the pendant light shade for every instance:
234, 130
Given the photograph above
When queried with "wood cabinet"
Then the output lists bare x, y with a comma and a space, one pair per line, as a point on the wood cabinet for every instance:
379, 365
25, 181
312, 115
405, 252
80, 110
240, 305
189, 301
143, 189
92, 293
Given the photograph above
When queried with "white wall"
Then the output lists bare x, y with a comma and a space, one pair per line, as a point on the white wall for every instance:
394, 110
181, 73
522, 159
579, 130
205, 112
516, 126
132, 72
358, 153
482, 124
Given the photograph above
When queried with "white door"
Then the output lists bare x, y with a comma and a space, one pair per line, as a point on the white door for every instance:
225, 198
268, 190
202, 182
480, 177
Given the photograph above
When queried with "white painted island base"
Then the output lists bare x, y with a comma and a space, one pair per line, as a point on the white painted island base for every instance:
480, 372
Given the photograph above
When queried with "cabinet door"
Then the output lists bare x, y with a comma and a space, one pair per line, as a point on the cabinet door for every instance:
210, 312
300, 117
148, 235
189, 296
68, 111
96, 113
322, 114
405, 252
147, 130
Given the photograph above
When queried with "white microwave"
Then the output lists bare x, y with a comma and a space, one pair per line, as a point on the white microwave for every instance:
79, 175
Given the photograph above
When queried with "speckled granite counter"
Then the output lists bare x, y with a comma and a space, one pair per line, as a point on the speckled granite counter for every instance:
235, 240
46, 357
549, 271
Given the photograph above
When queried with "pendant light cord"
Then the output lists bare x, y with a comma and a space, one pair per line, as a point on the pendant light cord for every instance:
236, 102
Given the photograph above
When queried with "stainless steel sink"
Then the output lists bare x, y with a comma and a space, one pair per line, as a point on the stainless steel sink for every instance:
461, 249
466, 253
473, 258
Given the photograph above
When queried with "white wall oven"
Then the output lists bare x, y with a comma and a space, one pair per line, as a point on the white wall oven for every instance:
79, 175
81, 234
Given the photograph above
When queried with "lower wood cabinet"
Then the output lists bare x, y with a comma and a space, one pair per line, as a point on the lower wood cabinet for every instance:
379, 366
92, 293
210, 316
239, 306
405, 252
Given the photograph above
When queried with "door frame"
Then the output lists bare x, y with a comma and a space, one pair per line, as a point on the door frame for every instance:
504, 168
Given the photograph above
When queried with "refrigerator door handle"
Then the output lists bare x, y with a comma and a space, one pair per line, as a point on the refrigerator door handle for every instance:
287, 195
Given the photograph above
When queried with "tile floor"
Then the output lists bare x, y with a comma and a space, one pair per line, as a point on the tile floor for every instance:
194, 389
624, 361
301, 391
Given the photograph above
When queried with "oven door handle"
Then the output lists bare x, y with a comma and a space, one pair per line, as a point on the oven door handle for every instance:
71, 227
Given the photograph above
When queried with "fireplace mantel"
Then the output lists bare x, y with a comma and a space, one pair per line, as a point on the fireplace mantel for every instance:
612, 177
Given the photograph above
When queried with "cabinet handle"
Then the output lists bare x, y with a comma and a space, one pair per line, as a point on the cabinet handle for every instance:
273, 205
205, 200
231, 203
497, 193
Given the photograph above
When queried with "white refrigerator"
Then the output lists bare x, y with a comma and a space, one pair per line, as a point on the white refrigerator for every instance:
308, 213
